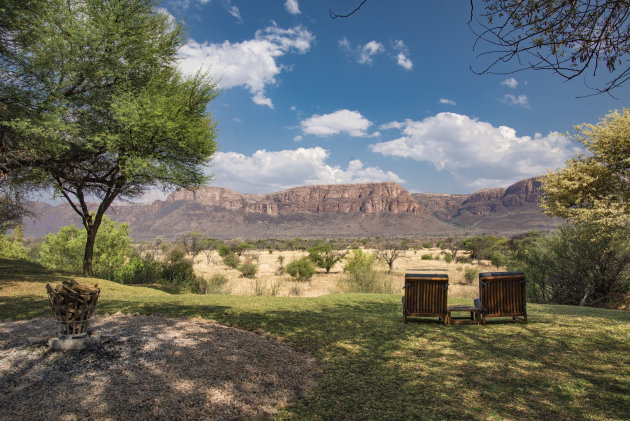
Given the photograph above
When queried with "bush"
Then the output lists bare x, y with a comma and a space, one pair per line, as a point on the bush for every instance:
139, 271
214, 285
448, 257
248, 269
427, 257
231, 260
362, 276
470, 274
498, 259
427, 245
301, 269
576, 265
112, 249
13, 248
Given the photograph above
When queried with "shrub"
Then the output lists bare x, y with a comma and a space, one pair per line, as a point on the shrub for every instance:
248, 269
577, 265
13, 249
231, 260
448, 257
181, 275
325, 257
301, 269
427, 245
362, 277
470, 274
214, 285
427, 257
112, 249
498, 259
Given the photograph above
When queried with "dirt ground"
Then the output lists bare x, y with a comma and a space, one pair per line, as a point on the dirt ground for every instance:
268, 281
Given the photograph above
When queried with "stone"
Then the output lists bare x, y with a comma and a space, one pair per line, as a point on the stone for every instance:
74, 344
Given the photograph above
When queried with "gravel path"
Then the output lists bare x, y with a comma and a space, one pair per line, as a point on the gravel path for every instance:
149, 368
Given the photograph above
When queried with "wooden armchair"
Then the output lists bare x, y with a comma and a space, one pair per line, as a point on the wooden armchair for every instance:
502, 294
425, 296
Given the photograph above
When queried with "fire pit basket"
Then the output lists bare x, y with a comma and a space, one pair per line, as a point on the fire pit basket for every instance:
72, 304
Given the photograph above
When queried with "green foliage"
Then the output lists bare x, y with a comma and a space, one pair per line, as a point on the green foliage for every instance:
325, 257
13, 248
96, 105
248, 269
427, 245
482, 246
577, 265
498, 259
231, 260
362, 276
112, 248
593, 188
427, 257
301, 269
214, 285
448, 257
470, 274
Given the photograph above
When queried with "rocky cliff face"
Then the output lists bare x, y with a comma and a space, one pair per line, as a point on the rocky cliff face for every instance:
347, 210
367, 198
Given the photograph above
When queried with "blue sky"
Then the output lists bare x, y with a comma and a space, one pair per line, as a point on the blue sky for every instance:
385, 95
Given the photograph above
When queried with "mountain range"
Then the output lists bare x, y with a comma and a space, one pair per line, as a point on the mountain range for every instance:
339, 210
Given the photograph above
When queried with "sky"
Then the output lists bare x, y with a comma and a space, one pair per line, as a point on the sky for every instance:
387, 94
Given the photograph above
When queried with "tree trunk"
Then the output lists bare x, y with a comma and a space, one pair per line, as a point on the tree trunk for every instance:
89, 250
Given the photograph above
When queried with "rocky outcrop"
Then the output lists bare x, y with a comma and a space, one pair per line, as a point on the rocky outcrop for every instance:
441, 204
367, 198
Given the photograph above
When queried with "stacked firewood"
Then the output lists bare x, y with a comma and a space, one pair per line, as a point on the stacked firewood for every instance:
73, 304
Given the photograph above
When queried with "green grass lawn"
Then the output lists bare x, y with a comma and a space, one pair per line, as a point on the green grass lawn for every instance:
566, 363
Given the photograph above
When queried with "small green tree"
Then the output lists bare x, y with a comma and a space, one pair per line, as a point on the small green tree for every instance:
13, 248
301, 269
325, 257
498, 259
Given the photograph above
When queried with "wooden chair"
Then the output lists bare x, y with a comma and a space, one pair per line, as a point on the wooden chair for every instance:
425, 296
502, 294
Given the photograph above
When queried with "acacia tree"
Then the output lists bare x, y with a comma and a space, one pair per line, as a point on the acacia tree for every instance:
325, 257
95, 107
568, 37
594, 187
388, 253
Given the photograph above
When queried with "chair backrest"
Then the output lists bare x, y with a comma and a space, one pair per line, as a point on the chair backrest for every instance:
426, 294
502, 293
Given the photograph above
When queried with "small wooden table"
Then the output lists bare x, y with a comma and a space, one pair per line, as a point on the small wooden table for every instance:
475, 315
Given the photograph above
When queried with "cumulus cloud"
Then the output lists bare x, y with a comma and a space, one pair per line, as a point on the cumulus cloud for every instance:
342, 121
251, 63
402, 56
477, 153
516, 100
447, 101
363, 54
510, 83
292, 7
267, 171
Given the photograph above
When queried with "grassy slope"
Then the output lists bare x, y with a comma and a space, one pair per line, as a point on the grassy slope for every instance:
567, 363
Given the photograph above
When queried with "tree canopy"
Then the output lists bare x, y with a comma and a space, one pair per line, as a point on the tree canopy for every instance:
594, 187
94, 107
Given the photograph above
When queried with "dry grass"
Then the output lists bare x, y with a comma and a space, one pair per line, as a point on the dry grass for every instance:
269, 282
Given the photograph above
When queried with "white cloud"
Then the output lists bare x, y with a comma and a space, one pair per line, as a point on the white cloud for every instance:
268, 171
233, 10
362, 54
403, 61
402, 57
298, 138
511, 83
342, 121
292, 7
392, 125
447, 101
516, 100
477, 153
250, 63
368, 51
